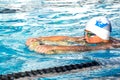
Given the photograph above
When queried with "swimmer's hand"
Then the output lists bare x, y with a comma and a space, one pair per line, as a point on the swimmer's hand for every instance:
46, 49
30, 41
35, 45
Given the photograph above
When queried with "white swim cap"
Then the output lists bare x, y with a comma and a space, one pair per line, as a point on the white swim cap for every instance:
100, 26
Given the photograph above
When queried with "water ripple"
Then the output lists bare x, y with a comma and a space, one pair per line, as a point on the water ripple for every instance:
10, 29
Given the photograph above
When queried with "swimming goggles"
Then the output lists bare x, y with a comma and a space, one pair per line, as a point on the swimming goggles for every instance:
89, 34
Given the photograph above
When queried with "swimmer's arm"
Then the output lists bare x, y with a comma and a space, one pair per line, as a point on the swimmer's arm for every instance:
49, 49
82, 48
114, 39
115, 42
49, 38
60, 38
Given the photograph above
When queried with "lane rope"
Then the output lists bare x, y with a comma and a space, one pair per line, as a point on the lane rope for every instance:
59, 69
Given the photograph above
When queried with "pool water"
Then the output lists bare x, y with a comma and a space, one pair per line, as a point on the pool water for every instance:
34, 20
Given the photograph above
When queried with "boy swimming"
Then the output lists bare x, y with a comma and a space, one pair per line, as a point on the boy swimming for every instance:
96, 37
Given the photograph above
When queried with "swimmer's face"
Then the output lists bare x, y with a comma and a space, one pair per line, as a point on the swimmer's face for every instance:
92, 38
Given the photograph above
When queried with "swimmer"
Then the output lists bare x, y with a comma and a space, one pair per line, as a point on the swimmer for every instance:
96, 37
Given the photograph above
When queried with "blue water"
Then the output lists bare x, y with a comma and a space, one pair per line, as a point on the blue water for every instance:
34, 21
